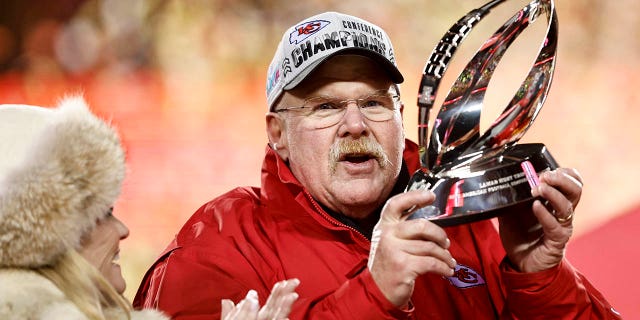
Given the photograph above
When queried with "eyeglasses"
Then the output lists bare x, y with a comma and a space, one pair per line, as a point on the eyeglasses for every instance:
326, 111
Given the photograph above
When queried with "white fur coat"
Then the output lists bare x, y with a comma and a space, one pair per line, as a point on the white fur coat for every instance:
25, 294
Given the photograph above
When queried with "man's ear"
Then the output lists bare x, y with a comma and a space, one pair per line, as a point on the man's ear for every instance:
404, 134
277, 136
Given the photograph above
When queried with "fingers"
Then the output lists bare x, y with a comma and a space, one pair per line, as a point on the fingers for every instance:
538, 242
401, 249
559, 206
574, 174
567, 181
562, 188
550, 217
245, 309
278, 305
280, 301
226, 306
421, 229
395, 263
443, 261
418, 238
426, 245
556, 230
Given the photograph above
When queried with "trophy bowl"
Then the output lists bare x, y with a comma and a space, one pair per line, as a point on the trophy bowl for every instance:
479, 176
485, 187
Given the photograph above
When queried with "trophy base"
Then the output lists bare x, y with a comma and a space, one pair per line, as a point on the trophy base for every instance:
492, 184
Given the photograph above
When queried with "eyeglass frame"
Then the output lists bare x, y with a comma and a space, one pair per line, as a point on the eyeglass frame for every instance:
343, 104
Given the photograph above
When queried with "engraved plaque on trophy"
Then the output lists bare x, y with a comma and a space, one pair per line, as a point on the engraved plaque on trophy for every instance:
478, 175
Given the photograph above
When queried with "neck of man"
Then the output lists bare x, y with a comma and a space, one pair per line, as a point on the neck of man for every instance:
365, 225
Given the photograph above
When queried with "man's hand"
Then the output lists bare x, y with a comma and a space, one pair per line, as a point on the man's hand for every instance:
536, 242
401, 249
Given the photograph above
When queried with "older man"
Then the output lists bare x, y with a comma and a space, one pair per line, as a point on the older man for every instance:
332, 179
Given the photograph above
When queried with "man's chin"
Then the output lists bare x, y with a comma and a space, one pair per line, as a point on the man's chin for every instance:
362, 192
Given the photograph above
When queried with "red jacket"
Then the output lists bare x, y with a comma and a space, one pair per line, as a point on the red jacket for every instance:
250, 238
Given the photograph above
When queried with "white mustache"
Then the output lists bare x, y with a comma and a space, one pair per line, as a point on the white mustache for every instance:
360, 146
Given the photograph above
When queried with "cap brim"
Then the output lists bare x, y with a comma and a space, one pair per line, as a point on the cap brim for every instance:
390, 68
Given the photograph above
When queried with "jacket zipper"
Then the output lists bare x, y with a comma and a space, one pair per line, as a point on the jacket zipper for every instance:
331, 219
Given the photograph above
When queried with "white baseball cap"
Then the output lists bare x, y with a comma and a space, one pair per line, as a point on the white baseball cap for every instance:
307, 44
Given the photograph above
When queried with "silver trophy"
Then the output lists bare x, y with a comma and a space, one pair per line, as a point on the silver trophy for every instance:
477, 176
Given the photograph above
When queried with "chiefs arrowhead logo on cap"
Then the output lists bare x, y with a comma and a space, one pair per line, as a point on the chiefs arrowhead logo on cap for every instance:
303, 31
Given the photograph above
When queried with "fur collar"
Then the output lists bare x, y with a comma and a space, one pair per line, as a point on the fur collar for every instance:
24, 294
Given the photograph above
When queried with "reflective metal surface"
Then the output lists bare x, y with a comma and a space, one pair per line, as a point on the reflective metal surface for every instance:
457, 160
437, 65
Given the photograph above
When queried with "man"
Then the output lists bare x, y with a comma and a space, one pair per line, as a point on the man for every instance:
332, 180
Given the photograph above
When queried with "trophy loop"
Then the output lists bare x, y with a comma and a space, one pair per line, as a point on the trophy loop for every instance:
438, 63
457, 126
474, 176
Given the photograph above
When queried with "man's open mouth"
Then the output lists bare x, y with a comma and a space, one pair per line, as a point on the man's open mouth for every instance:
357, 157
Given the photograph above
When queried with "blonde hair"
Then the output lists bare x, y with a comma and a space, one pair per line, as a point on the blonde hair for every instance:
83, 285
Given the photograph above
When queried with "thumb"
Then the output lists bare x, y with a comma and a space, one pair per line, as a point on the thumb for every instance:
401, 205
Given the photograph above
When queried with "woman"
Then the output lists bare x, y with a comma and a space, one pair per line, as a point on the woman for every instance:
61, 171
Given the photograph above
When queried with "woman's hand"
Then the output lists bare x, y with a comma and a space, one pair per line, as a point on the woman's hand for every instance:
278, 305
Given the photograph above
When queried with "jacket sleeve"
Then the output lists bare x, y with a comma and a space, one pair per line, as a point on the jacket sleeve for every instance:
557, 293
188, 290
186, 287
357, 298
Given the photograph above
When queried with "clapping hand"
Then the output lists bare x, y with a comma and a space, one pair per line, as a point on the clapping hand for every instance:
277, 307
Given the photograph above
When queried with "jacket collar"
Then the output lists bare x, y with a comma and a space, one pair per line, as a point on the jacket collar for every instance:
280, 187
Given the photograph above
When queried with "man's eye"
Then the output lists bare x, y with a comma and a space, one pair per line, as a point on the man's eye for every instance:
326, 106
372, 104
376, 102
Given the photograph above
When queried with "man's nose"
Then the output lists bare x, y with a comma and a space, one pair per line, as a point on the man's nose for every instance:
353, 122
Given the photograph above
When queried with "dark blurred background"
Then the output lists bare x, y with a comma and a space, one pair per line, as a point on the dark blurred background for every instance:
183, 80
